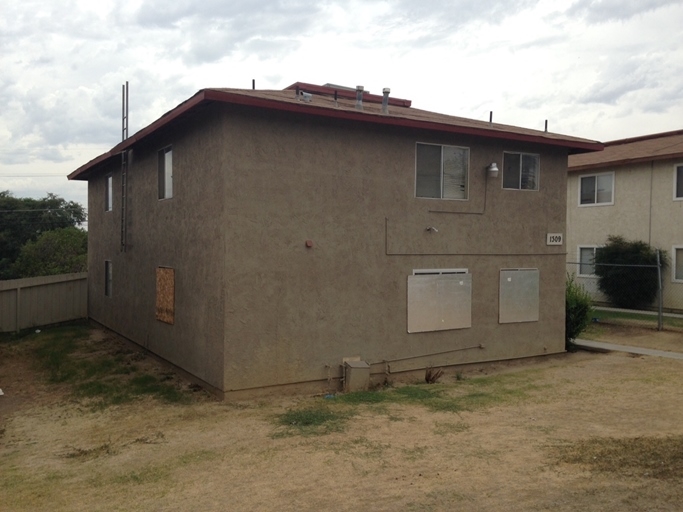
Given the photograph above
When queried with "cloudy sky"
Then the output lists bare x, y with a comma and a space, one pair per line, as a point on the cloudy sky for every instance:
599, 69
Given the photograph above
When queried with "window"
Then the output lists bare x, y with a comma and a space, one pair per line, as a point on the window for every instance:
596, 189
107, 278
677, 267
678, 182
108, 194
165, 306
166, 173
441, 172
587, 261
519, 295
439, 299
521, 171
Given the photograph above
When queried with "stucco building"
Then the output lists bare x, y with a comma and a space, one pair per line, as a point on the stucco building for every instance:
261, 238
634, 188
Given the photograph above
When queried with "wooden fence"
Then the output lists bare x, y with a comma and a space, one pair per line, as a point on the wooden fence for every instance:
37, 301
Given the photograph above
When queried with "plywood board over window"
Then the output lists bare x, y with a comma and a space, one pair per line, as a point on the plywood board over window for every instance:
165, 311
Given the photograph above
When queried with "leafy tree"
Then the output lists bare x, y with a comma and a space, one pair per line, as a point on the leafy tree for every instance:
59, 251
628, 286
578, 310
25, 219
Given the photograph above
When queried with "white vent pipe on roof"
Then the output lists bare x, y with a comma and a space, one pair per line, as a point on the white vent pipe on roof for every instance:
359, 97
385, 100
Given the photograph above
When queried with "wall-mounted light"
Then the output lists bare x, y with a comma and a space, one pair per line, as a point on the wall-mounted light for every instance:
432, 229
492, 170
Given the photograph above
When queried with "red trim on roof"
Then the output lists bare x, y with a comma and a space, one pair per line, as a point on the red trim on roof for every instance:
208, 95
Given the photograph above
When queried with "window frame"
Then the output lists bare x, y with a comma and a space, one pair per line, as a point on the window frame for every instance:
441, 175
108, 278
595, 199
109, 192
578, 250
164, 174
538, 171
674, 249
677, 183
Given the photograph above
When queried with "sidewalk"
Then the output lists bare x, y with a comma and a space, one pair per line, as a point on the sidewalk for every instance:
599, 346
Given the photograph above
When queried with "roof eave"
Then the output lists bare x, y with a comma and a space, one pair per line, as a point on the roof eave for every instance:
206, 95
625, 161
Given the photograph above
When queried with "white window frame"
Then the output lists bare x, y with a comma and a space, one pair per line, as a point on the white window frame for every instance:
595, 199
519, 186
165, 175
108, 192
578, 251
467, 172
676, 168
673, 263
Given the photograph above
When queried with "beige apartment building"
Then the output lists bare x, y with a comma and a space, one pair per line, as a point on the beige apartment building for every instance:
634, 188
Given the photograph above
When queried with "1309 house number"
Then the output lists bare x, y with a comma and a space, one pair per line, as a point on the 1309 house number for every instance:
553, 239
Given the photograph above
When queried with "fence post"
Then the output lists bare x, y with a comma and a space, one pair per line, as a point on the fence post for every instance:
660, 315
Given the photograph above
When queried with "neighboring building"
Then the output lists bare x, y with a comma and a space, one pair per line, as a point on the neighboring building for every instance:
634, 188
264, 237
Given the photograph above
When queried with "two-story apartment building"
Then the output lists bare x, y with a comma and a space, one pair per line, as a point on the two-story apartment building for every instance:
260, 238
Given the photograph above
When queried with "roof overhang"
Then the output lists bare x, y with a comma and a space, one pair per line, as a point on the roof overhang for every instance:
204, 96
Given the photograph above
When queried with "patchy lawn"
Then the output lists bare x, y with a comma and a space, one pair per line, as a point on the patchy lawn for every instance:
89, 423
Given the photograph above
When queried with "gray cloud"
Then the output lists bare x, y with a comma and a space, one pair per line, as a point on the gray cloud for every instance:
601, 11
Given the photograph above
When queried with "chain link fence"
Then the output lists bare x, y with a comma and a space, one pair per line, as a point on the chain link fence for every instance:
663, 312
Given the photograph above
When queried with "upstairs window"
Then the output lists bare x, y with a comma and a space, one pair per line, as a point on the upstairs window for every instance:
108, 193
441, 172
166, 173
596, 189
678, 182
521, 171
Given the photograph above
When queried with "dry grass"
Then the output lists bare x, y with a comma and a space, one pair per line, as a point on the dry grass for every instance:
652, 457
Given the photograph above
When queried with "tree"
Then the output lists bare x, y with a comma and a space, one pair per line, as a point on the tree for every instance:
25, 219
58, 251
627, 285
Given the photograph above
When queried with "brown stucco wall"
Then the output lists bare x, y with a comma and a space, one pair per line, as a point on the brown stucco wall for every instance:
183, 233
255, 307
292, 313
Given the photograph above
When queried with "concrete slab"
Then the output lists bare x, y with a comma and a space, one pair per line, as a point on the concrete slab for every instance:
611, 347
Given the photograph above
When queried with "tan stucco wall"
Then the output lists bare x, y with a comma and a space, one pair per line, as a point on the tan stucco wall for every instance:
292, 313
183, 233
255, 307
643, 209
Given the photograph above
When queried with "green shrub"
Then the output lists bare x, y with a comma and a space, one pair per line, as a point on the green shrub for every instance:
578, 310
627, 286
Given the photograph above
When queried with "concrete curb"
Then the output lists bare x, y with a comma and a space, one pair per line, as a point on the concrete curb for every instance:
599, 346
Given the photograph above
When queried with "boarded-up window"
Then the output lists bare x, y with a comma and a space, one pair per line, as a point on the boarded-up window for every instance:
165, 295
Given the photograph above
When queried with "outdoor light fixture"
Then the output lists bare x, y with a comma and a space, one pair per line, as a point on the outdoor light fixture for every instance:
492, 170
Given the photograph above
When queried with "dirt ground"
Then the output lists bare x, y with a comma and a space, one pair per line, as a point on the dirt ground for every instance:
56, 453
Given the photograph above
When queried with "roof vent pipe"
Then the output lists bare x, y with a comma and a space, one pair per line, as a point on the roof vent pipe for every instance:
546, 125
385, 100
359, 97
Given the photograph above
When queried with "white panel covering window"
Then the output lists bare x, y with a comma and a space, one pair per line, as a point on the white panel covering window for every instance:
441, 172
